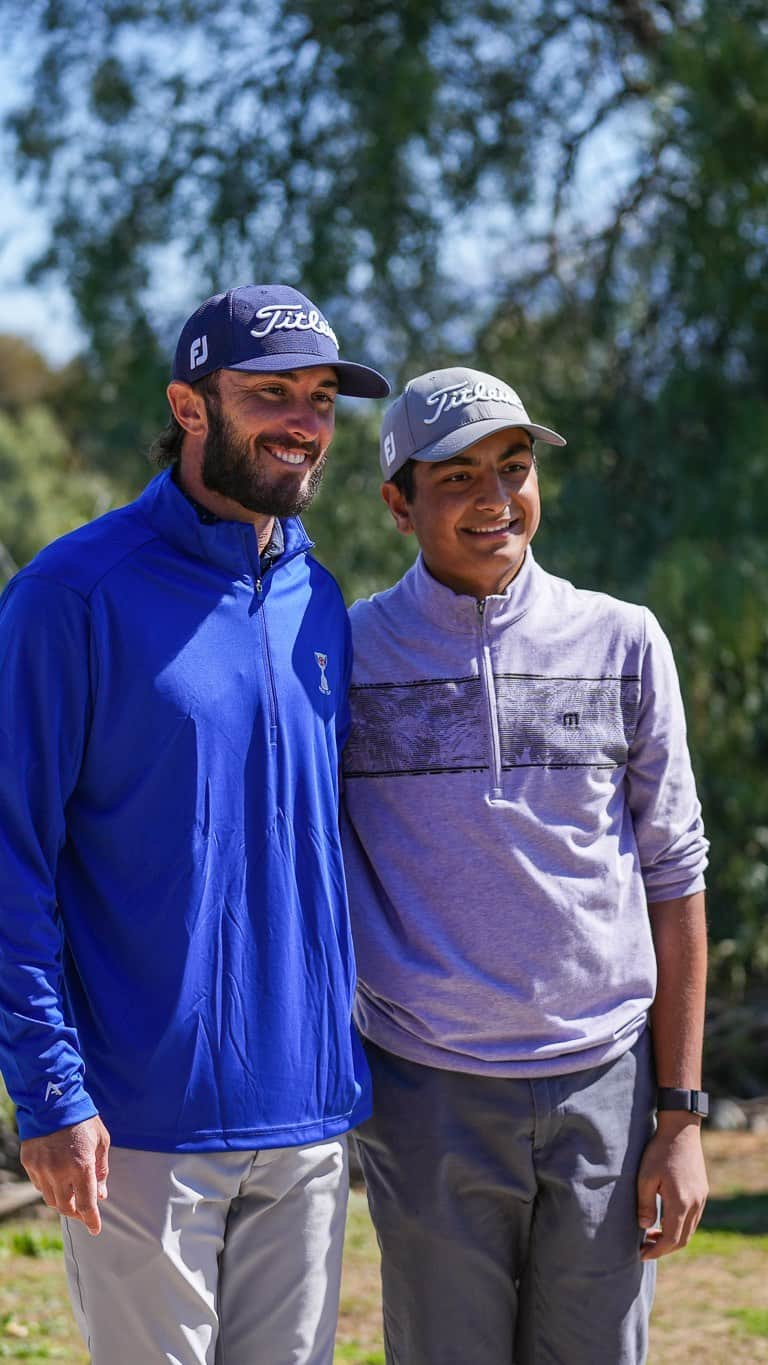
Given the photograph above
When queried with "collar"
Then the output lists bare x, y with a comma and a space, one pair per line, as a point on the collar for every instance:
454, 611
274, 546
231, 545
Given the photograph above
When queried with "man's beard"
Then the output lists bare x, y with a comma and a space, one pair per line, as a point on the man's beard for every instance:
234, 466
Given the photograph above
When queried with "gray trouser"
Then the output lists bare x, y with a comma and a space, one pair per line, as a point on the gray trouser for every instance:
506, 1212
214, 1258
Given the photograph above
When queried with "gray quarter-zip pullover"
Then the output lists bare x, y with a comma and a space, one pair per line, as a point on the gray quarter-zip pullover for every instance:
517, 790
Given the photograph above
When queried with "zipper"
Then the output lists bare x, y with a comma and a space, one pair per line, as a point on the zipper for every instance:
490, 699
268, 671
258, 584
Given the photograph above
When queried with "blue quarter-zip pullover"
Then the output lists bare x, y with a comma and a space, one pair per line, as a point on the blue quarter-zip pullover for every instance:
174, 941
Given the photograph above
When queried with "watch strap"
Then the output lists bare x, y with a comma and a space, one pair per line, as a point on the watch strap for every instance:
690, 1101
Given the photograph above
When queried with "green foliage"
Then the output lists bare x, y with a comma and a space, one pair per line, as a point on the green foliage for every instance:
7, 1108
354, 532
744, 1213
753, 1321
26, 1242
46, 490
724, 1244
347, 148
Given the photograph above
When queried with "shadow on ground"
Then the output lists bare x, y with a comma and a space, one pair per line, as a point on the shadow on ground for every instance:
745, 1213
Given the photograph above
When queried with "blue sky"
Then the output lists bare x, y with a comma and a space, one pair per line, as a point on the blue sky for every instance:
42, 315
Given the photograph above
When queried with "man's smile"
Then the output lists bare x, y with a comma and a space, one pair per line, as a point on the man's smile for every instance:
286, 454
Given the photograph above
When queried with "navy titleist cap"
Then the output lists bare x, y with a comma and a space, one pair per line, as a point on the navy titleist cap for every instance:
267, 327
440, 414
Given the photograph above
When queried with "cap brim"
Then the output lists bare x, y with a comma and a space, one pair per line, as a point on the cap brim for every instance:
355, 381
468, 435
463, 437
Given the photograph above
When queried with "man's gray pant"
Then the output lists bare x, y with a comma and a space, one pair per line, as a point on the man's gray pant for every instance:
506, 1212
213, 1258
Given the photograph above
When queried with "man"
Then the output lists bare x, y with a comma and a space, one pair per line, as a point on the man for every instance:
176, 962
524, 852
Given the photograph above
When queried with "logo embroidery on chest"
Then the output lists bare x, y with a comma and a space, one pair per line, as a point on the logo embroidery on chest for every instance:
322, 662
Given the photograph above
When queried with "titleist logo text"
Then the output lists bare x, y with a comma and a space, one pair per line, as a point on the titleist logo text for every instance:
460, 395
278, 317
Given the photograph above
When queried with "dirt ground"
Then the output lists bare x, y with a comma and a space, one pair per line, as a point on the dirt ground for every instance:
711, 1303
711, 1300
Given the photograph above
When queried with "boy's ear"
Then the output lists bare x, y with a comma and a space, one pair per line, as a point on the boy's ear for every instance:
398, 507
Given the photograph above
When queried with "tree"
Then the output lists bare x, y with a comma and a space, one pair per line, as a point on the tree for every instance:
46, 490
348, 149
573, 193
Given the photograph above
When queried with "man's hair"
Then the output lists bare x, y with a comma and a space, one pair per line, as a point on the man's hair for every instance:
166, 448
404, 482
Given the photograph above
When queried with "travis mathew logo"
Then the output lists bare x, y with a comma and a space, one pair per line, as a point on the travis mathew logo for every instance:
461, 394
571, 720
322, 662
289, 317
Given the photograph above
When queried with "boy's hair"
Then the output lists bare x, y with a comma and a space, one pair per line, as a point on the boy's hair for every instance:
403, 479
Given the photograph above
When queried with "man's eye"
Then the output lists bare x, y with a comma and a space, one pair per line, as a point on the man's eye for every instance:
328, 398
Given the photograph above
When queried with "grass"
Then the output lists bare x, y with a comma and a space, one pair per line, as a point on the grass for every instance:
711, 1302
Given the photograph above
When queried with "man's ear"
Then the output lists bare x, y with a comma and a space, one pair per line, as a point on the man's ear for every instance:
398, 507
188, 407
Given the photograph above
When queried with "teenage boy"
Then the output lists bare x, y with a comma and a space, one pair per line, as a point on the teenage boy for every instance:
525, 853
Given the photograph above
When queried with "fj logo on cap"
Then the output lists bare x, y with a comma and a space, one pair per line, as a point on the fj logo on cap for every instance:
390, 449
322, 662
278, 317
198, 352
460, 395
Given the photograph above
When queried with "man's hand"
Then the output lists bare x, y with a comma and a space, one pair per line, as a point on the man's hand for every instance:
673, 1167
70, 1169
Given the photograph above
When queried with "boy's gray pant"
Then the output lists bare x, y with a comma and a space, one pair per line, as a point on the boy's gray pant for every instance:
213, 1258
506, 1212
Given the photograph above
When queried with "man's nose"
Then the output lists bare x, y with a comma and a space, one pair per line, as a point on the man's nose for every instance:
303, 420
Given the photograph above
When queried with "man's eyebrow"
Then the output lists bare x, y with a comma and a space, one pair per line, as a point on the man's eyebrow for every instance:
246, 375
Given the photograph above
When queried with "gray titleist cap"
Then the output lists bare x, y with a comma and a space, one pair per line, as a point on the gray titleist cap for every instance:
439, 414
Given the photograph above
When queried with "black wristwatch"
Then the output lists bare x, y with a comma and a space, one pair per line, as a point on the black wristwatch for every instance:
690, 1101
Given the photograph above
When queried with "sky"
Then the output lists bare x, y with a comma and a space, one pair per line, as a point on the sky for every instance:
42, 315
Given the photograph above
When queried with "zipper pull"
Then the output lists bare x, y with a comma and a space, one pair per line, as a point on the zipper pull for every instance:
258, 585
481, 607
